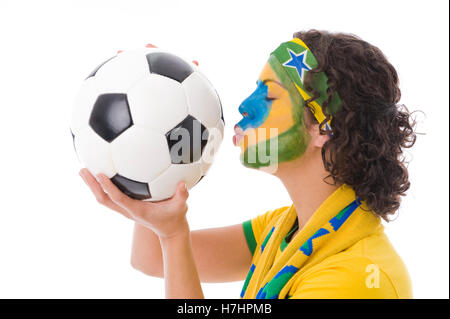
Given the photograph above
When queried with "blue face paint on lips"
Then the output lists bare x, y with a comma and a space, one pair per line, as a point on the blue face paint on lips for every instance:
256, 107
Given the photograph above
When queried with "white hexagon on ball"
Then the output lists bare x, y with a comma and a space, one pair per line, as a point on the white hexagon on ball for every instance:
82, 107
202, 99
157, 102
140, 154
94, 152
119, 73
164, 186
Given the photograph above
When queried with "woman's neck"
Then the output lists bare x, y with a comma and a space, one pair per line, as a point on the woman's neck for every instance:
304, 181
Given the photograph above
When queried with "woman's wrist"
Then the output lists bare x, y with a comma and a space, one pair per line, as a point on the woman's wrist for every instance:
182, 232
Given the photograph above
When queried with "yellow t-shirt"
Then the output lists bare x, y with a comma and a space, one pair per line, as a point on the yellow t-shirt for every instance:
371, 268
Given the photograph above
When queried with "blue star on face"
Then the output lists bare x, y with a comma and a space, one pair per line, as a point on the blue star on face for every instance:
298, 62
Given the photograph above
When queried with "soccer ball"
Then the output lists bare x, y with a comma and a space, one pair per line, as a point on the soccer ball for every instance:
147, 119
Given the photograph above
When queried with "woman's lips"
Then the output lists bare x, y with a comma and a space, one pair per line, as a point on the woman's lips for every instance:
237, 138
239, 134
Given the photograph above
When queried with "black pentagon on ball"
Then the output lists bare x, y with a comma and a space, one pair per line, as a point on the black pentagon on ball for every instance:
169, 65
134, 189
110, 115
199, 180
73, 140
187, 140
93, 73
221, 109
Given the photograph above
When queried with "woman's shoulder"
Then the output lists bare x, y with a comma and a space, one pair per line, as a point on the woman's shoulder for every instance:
277, 212
260, 222
370, 268
271, 216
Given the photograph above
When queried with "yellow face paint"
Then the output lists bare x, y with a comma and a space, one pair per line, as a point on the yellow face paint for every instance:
274, 101
280, 115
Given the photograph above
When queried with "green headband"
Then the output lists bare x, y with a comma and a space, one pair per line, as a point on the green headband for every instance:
295, 60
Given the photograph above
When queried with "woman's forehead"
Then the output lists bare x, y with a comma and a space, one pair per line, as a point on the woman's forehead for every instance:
268, 73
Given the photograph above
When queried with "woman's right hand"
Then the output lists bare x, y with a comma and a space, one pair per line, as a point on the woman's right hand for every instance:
100, 195
167, 218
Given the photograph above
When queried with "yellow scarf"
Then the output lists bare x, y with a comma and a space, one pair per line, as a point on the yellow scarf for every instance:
340, 222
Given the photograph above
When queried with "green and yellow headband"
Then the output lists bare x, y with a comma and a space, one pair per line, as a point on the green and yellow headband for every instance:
292, 61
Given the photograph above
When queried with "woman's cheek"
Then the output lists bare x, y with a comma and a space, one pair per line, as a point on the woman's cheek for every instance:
280, 117
257, 135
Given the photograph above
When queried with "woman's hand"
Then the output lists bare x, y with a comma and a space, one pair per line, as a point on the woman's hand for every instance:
166, 218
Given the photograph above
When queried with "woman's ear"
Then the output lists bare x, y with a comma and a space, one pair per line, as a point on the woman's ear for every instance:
317, 139
321, 140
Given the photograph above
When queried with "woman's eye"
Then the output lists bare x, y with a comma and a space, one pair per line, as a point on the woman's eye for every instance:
270, 98
244, 114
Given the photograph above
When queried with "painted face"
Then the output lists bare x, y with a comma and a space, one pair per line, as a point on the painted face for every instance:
272, 129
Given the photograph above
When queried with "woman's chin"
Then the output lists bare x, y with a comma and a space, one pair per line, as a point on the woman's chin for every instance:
272, 168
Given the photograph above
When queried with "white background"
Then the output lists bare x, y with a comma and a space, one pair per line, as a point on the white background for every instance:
56, 241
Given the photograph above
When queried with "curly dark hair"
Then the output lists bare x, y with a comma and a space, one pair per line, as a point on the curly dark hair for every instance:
370, 130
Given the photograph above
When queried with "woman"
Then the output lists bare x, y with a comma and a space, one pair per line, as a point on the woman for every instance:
326, 106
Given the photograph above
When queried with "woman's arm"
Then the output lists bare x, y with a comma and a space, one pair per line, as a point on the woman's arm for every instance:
180, 273
221, 254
